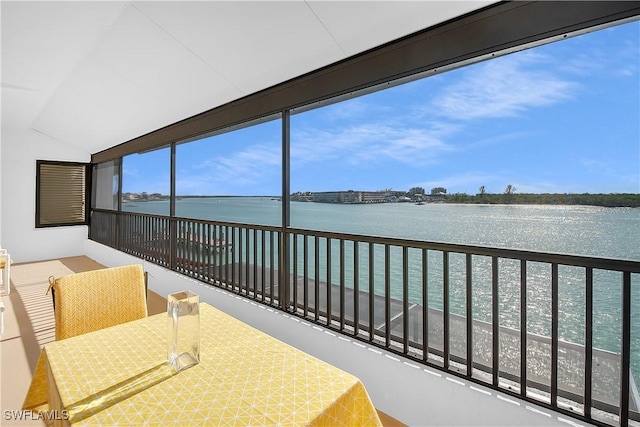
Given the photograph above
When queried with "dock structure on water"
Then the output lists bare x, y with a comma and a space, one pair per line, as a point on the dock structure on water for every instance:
262, 282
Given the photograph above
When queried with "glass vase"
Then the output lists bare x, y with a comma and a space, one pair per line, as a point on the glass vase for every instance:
183, 337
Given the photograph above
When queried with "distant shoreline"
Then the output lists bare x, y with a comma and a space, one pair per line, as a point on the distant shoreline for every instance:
610, 200
613, 200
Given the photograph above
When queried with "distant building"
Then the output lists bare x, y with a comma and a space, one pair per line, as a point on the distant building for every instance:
373, 196
349, 196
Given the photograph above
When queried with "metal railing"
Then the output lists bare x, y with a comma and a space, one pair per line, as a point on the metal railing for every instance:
525, 323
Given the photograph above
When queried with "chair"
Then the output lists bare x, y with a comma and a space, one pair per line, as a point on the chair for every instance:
93, 300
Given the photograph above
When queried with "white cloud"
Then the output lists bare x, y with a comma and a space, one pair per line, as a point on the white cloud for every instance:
510, 138
369, 142
626, 71
583, 64
599, 58
243, 168
503, 87
190, 184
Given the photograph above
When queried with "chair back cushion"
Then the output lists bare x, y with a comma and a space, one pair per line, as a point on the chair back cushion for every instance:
93, 300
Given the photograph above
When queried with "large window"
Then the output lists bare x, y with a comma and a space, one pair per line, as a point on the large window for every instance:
106, 185
146, 182
234, 176
61, 193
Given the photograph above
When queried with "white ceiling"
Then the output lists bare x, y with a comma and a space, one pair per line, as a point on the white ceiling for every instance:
96, 74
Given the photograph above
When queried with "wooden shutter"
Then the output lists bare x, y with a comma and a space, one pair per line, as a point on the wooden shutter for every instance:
61, 193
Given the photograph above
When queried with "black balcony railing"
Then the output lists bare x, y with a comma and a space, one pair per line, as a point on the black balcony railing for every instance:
517, 321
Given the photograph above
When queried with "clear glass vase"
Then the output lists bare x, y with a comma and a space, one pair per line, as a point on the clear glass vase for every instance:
183, 332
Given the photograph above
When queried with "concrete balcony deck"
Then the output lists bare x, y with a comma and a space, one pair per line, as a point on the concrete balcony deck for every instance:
414, 395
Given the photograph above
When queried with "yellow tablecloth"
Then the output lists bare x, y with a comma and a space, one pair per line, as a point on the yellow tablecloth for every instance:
245, 377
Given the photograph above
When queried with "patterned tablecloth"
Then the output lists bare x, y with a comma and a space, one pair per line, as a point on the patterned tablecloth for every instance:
119, 376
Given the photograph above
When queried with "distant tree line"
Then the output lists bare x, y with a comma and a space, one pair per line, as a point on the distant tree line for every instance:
511, 197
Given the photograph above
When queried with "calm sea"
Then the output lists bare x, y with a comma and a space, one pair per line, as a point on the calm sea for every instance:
577, 230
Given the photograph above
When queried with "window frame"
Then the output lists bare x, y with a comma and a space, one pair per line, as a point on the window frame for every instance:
86, 197
95, 179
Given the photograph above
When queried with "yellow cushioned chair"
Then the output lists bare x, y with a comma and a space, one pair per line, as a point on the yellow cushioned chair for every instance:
86, 302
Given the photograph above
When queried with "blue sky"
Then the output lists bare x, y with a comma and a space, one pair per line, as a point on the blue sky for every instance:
559, 118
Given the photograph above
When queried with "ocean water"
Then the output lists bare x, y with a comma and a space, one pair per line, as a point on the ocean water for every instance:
580, 230
576, 230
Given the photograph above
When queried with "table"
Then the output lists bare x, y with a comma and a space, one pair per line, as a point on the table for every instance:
245, 377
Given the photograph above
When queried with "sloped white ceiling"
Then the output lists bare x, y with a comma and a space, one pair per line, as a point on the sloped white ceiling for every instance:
96, 74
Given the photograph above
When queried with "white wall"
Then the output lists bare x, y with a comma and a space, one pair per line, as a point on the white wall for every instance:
413, 394
1, 190
18, 186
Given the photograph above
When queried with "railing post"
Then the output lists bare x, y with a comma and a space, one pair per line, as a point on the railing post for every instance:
305, 270
342, 284
233, 261
625, 360
173, 243
425, 305
445, 309
523, 328
263, 281
469, 310
117, 223
405, 300
554, 334
356, 289
272, 266
240, 253
294, 261
588, 344
249, 266
387, 296
495, 320
328, 284
371, 293
316, 274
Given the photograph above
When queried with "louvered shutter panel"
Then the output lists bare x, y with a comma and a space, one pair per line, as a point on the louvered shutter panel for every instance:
62, 195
